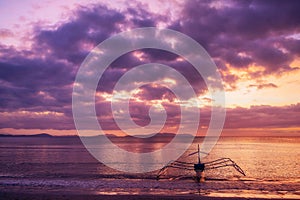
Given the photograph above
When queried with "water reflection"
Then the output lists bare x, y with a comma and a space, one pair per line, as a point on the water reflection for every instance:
142, 145
261, 158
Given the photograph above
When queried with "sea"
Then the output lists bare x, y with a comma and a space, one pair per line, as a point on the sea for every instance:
63, 165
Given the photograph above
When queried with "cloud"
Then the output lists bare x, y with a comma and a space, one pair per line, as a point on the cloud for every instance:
39, 80
264, 85
263, 117
36, 120
90, 25
6, 33
244, 33
257, 117
36, 83
135, 58
155, 92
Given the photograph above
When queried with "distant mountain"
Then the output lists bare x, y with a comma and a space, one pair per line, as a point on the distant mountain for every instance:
42, 135
154, 135
158, 135
46, 135
34, 135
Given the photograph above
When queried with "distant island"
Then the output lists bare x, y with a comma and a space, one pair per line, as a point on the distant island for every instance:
39, 135
23, 135
46, 135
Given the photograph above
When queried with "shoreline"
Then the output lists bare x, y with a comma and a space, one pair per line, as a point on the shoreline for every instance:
65, 196
77, 189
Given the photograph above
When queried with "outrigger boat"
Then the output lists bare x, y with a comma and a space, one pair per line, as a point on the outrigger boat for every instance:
200, 166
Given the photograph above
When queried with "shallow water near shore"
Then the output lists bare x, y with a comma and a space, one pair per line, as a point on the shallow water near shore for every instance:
63, 165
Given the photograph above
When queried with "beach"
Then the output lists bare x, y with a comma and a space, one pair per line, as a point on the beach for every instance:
73, 188
27, 196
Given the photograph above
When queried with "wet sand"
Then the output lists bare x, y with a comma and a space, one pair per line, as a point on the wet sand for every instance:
50, 196
62, 189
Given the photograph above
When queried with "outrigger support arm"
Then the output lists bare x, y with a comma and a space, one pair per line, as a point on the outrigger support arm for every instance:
223, 162
176, 165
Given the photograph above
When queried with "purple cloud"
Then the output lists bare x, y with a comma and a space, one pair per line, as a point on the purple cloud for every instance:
239, 33
255, 28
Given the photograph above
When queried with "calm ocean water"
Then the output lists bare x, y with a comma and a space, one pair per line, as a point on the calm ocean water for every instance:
64, 161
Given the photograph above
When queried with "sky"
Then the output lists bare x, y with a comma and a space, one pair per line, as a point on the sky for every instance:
254, 44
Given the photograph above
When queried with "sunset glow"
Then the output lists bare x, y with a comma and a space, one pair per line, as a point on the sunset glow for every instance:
255, 46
